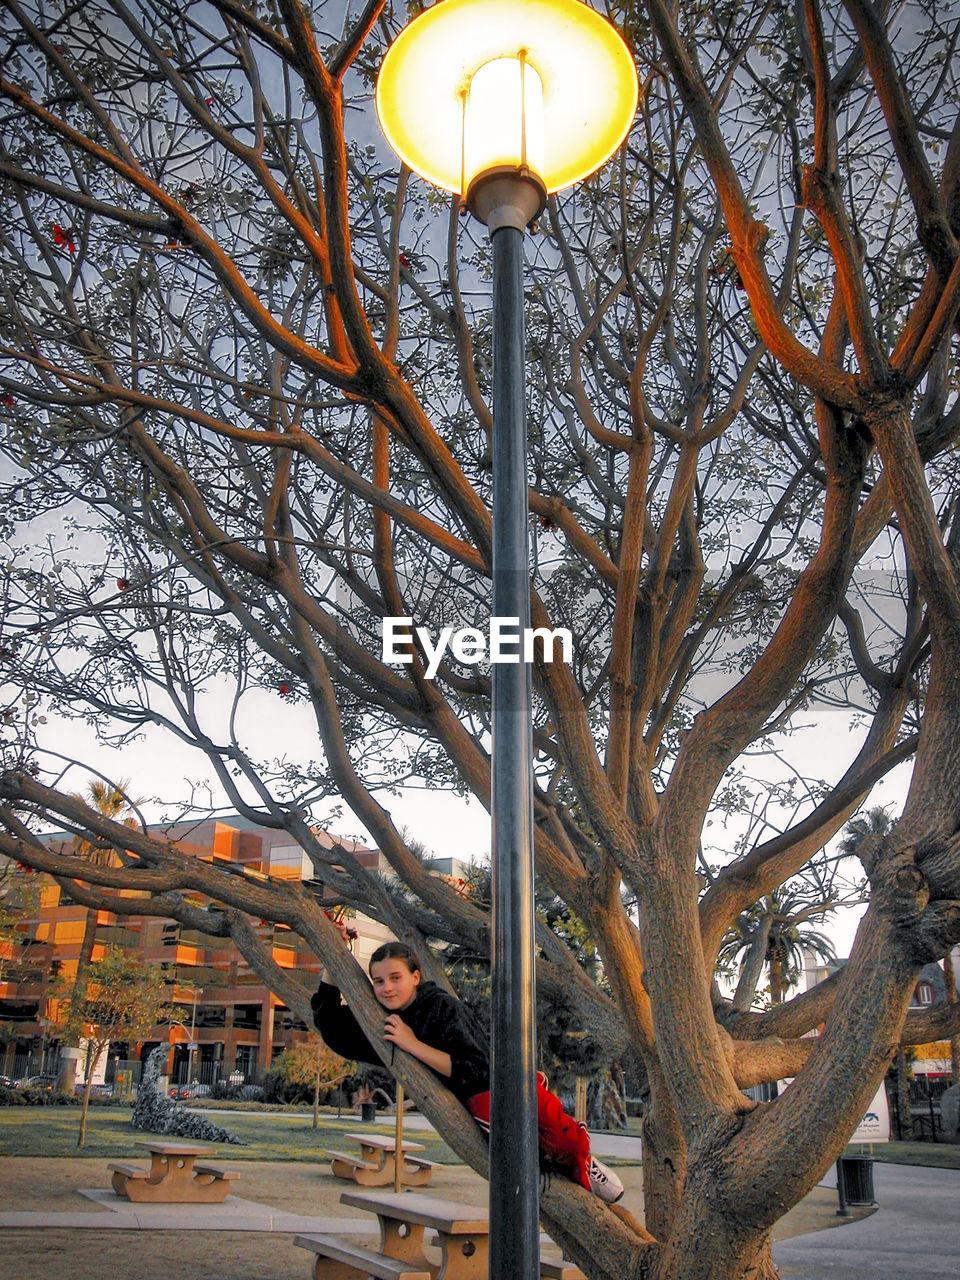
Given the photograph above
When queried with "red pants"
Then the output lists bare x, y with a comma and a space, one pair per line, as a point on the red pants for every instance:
563, 1140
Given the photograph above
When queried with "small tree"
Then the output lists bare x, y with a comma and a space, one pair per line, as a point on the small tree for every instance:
117, 998
310, 1062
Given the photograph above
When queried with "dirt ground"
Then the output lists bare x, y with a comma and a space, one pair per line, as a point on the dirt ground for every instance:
33, 1185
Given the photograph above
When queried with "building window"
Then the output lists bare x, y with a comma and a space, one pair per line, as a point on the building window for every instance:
924, 993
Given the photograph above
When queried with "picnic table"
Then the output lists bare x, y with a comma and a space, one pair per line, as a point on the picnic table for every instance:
461, 1231
174, 1176
376, 1164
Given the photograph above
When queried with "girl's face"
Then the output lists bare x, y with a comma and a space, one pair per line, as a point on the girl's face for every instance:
394, 985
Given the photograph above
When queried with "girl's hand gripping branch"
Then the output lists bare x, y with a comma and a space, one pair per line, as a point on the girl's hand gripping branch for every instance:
397, 1032
345, 934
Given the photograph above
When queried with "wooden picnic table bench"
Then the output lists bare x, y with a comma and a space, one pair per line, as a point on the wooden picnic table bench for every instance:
376, 1164
461, 1231
174, 1176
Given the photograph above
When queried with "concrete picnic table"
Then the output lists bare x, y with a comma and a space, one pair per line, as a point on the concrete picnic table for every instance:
462, 1232
376, 1164
174, 1176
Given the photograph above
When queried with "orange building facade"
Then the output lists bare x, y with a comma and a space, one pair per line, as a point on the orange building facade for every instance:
235, 1025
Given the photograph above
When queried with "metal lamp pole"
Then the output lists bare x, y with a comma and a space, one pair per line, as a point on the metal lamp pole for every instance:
506, 204
503, 102
193, 1037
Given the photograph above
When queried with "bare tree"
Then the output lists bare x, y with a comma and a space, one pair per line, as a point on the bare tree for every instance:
245, 370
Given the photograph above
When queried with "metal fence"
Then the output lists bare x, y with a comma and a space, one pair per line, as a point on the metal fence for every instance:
212, 1073
925, 1120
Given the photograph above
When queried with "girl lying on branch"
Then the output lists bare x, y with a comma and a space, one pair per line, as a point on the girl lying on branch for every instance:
444, 1035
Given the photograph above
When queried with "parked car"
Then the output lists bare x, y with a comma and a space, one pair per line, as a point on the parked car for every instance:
7, 1082
45, 1083
96, 1090
192, 1090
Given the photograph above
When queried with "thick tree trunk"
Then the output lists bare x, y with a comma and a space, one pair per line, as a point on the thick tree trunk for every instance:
708, 1244
664, 1158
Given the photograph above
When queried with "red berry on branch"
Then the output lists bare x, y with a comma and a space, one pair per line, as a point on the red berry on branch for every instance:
123, 584
284, 689
62, 237
8, 401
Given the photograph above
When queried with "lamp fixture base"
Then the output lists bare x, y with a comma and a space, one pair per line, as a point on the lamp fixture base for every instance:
506, 198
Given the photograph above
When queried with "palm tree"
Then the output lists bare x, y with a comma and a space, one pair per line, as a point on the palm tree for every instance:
865, 828
771, 934
111, 801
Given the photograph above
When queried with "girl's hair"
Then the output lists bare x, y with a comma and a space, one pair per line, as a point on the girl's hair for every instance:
396, 951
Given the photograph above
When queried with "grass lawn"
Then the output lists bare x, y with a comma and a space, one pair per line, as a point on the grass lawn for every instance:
52, 1131
938, 1155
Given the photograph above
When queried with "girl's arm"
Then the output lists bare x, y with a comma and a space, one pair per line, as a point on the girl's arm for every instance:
397, 1032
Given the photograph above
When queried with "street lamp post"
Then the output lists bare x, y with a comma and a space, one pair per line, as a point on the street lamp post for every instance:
503, 102
193, 1036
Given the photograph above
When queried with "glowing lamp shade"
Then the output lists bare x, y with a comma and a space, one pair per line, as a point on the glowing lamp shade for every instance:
503, 119
479, 86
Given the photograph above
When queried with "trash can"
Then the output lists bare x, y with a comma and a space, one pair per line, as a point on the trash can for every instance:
855, 1180
368, 1112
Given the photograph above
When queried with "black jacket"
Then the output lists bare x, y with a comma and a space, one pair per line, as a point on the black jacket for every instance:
435, 1017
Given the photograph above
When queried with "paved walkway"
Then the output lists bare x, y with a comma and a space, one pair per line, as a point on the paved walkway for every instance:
914, 1234
234, 1214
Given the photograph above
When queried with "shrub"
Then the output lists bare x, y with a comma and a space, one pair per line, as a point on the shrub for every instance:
35, 1098
224, 1091
10, 1097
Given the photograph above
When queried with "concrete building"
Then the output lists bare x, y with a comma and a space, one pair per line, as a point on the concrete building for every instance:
236, 1025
